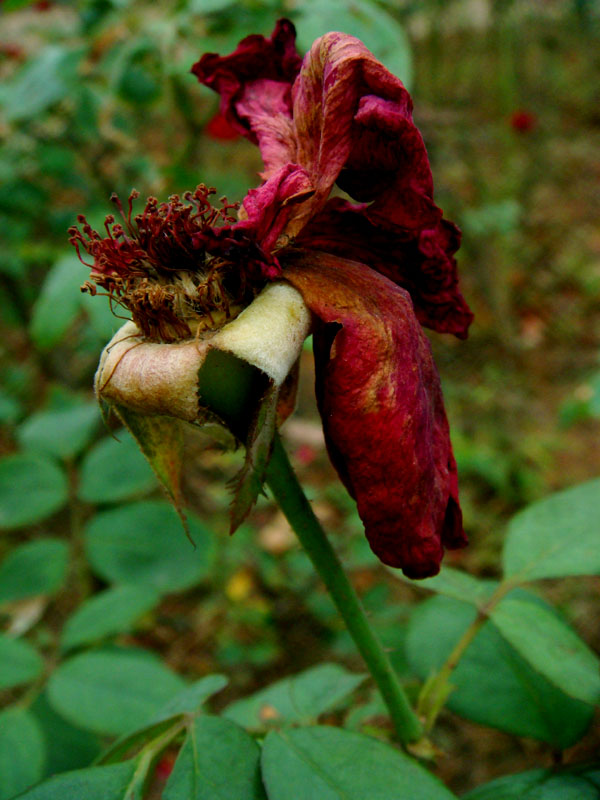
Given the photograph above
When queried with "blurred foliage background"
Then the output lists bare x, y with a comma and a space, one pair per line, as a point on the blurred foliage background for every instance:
97, 97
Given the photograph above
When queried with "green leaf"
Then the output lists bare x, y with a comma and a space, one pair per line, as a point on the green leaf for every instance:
302, 698
191, 699
31, 488
493, 684
114, 470
111, 691
10, 408
108, 613
550, 646
502, 218
67, 747
21, 752
381, 33
56, 160
557, 536
218, 761
60, 432
572, 783
19, 662
187, 701
42, 82
58, 303
14, 5
134, 741
453, 583
144, 543
334, 764
137, 71
483, 462
33, 569
94, 783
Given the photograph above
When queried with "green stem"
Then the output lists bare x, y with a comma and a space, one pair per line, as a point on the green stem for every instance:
437, 689
284, 484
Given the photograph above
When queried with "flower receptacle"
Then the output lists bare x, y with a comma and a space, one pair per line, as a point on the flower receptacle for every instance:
223, 373
233, 375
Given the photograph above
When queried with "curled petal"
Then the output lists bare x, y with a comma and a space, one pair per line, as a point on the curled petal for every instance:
421, 262
255, 84
351, 124
354, 126
269, 208
251, 243
380, 400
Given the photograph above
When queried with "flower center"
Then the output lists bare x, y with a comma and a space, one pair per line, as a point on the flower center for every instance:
176, 266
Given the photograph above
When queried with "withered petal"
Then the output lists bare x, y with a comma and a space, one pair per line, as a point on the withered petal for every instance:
381, 403
251, 242
268, 208
354, 123
255, 84
420, 261
347, 121
354, 127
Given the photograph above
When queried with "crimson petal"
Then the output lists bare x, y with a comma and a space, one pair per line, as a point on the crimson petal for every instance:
380, 400
420, 261
354, 126
348, 121
267, 210
252, 242
255, 83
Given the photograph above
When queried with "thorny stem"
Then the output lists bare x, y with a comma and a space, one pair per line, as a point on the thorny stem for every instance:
288, 492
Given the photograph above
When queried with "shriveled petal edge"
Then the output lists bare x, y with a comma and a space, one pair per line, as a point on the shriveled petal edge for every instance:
256, 58
421, 261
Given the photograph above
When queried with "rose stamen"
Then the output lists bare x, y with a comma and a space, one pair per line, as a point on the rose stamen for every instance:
171, 262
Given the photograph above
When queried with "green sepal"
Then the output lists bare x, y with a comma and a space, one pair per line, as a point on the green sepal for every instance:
160, 439
238, 396
248, 483
245, 399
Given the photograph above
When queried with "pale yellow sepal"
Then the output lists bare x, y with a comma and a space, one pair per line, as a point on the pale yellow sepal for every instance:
270, 332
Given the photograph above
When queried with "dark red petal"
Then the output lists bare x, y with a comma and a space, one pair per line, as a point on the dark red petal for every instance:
252, 242
351, 124
380, 400
354, 126
354, 123
255, 84
421, 261
269, 207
